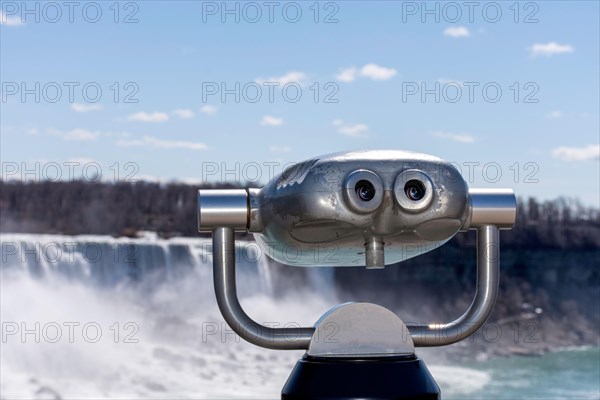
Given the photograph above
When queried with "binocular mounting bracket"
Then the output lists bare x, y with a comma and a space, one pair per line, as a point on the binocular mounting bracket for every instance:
484, 214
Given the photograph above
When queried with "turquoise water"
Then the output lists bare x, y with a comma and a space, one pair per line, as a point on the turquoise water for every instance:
568, 374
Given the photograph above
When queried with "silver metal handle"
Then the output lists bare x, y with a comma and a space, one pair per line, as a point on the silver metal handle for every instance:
235, 316
299, 338
490, 211
223, 212
488, 266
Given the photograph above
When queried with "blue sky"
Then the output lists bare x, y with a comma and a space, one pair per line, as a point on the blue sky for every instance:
541, 133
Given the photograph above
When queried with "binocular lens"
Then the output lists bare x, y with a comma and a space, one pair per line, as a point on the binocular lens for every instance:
415, 190
365, 190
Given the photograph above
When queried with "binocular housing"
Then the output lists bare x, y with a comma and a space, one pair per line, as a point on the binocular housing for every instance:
369, 208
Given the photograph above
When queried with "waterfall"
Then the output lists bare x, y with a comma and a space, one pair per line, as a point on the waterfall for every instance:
104, 261
89, 316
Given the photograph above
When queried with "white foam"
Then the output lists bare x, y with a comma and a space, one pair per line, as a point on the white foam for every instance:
459, 380
171, 358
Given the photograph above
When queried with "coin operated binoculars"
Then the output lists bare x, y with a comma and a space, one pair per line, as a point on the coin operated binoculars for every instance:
372, 206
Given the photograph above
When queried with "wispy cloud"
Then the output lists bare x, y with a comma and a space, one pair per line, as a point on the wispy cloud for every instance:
347, 74
352, 130
208, 109
356, 130
269, 120
153, 117
457, 31
587, 153
10, 20
280, 149
149, 141
457, 137
377, 73
291, 77
550, 49
76, 135
83, 108
183, 113
371, 71
554, 114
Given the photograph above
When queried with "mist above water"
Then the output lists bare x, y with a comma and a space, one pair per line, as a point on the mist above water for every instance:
161, 332
98, 317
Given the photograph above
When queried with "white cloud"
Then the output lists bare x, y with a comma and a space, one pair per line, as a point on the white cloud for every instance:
371, 71
554, 114
183, 113
587, 153
347, 74
208, 109
280, 149
83, 108
457, 31
377, 73
550, 49
457, 137
76, 135
269, 120
352, 130
10, 20
149, 117
149, 141
291, 77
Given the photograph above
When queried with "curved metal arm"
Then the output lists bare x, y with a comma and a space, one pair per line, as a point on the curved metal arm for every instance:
488, 265
228, 210
235, 316
299, 338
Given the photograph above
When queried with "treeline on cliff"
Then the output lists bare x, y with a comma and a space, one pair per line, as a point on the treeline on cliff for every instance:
125, 208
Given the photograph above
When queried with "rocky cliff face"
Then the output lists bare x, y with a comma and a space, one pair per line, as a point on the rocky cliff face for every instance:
547, 299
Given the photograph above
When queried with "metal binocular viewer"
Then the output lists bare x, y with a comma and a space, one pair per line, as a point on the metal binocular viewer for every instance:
376, 208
